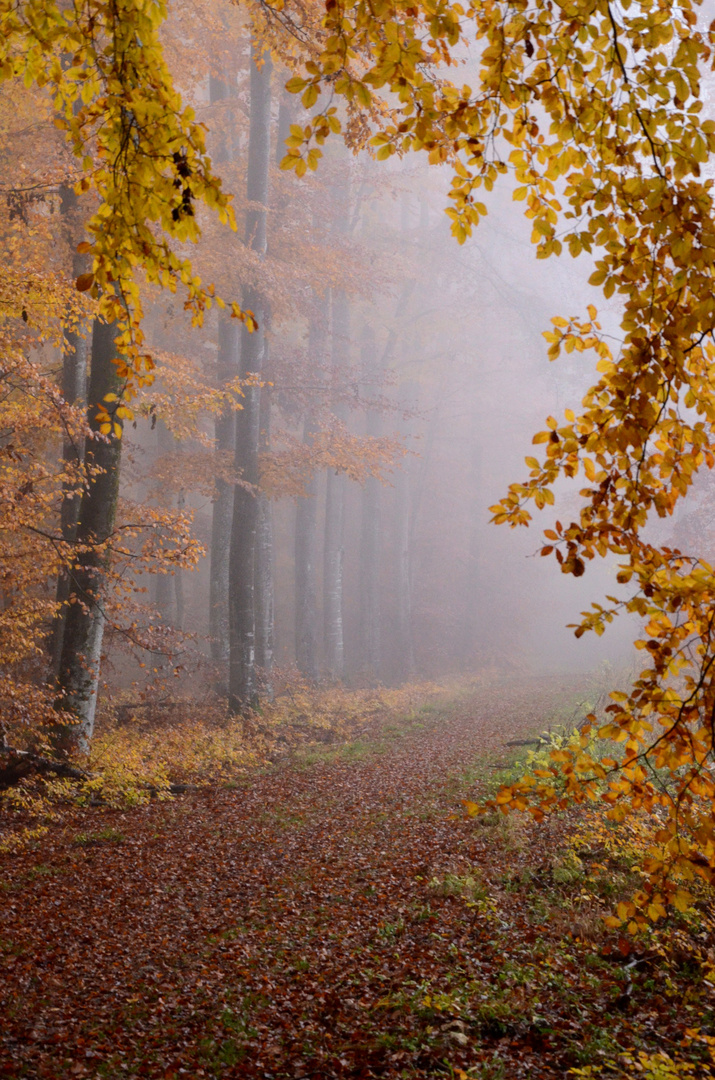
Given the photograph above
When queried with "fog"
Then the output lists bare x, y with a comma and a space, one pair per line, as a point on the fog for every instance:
445, 361
312, 498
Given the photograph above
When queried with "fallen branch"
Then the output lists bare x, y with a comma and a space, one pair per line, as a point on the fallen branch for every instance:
17, 764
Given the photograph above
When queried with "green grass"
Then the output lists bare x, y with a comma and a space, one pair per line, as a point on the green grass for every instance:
102, 836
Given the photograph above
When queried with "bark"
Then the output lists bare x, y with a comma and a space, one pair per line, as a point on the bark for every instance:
164, 588
371, 533
78, 677
306, 560
264, 568
74, 390
224, 433
179, 577
16, 765
242, 691
265, 613
334, 548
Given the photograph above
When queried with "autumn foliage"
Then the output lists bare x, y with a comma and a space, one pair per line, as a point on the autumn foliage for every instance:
595, 110
600, 109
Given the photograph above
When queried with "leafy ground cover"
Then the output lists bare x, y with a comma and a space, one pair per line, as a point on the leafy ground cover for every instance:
336, 915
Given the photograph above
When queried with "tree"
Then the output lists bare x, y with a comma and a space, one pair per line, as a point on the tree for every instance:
371, 531
265, 605
78, 675
242, 691
224, 428
141, 150
333, 549
602, 130
306, 531
601, 127
143, 156
74, 388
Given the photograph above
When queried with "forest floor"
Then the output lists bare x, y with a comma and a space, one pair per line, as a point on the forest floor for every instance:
338, 916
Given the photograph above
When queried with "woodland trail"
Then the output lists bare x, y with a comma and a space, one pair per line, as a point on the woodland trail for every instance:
287, 928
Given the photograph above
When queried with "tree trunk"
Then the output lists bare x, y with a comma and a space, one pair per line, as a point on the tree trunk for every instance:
403, 644
334, 550
225, 434
264, 571
74, 391
228, 367
264, 563
164, 586
306, 559
78, 676
179, 577
473, 586
242, 693
371, 539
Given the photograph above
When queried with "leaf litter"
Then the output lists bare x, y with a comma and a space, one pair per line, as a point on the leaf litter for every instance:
338, 916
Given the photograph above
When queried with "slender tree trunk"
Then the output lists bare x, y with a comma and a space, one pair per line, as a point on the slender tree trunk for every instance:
78, 676
242, 693
224, 432
473, 591
334, 549
403, 644
371, 534
403, 658
74, 390
178, 576
163, 598
264, 570
164, 587
306, 559
264, 563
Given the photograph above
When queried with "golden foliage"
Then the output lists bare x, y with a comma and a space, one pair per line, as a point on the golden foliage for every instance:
597, 110
140, 148
143, 755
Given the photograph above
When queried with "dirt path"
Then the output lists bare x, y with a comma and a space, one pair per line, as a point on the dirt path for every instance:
285, 929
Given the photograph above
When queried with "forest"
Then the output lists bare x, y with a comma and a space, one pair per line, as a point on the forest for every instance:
322, 753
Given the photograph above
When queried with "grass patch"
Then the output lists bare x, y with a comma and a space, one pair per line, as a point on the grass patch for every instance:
102, 836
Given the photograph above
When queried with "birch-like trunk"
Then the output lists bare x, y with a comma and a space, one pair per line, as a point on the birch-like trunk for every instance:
74, 390
242, 690
334, 547
79, 668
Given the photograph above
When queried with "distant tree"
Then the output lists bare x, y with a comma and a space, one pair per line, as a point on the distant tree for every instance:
242, 688
600, 106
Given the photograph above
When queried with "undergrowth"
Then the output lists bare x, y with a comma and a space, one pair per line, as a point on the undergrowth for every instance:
156, 753
574, 875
